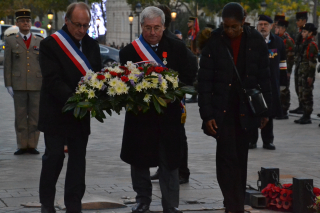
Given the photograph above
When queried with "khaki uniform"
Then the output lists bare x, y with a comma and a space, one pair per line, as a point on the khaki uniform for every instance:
285, 94
307, 69
22, 73
297, 50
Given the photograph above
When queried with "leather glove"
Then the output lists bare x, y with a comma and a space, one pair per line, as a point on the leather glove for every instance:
10, 91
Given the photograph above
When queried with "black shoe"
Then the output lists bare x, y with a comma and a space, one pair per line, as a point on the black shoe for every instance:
319, 125
305, 120
33, 151
269, 146
299, 110
155, 176
298, 120
172, 210
20, 151
183, 180
282, 117
140, 208
45, 209
318, 115
252, 145
192, 100
73, 212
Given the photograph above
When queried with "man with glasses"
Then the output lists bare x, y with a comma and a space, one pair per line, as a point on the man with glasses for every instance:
65, 57
151, 140
22, 78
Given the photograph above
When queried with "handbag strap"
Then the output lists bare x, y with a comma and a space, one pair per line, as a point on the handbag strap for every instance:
235, 69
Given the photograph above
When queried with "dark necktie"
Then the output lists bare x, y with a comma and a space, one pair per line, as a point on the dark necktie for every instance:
25, 38
154, 48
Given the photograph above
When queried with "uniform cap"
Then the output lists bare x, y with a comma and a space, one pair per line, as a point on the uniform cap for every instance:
265, 18
309, 27
302, 15
192, 18
283, 23
279, 17
23, 13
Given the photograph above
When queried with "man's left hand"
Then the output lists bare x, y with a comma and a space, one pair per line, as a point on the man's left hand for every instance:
264, 122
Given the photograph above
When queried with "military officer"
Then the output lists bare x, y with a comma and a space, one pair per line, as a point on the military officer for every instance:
301, 20
22, 78
278, 18
280, 30
307, 69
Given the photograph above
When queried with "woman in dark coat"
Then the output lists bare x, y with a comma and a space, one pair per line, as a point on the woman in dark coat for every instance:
223, 107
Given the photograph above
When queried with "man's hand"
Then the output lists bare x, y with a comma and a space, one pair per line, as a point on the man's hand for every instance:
211, 125
264, 122
310, 81
288, 75
10, 91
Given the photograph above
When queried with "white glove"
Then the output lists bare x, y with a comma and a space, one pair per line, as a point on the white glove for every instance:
10, 91
282, 88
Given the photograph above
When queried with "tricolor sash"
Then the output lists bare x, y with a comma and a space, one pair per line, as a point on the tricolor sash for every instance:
72, 51
145, 51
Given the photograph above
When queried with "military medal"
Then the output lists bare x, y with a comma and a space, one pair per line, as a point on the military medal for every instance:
165, 55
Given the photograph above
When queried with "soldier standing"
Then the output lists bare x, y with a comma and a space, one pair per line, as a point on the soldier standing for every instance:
23, 78
306, 69
301, 20
280, 30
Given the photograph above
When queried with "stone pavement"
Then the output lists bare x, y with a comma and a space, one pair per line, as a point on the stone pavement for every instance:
297, 155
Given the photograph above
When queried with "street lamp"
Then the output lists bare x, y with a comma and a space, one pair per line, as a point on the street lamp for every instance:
138, 11
263, 6
173, 17
50, 17
1, 22
131, 20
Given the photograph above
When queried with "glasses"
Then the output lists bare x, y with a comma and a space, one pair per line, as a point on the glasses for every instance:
24, 21
78, 25
156, 29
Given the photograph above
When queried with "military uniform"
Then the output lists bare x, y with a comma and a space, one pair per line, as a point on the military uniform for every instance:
22, 74
289, 45
307, 69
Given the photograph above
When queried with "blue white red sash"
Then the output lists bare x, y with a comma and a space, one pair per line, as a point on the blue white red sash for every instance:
145, 51
72, 51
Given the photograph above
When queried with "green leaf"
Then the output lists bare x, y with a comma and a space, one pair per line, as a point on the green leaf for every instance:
74, 98
85, 104
93, 113
178, 93
76, 112
188, 89
99, 119
68, 107
156, 104
169, 96
83, 112
161, 101
109, 111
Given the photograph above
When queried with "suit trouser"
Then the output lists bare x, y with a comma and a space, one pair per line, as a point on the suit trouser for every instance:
183, 168
267, 135
26, 107
168, 180
231, 162
52, 163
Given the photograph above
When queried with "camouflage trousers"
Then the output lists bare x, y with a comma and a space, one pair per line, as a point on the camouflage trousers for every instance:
296, 83
285, 98
305, 90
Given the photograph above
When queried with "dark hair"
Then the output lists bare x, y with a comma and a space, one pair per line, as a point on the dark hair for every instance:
233, 10
167, 13
72, 6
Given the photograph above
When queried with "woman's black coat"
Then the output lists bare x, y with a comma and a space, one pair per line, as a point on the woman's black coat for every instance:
216, 72
143, 132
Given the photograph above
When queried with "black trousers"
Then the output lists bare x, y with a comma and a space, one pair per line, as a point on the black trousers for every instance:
231, 162
184, 171
52, 163
267, 135
168, 180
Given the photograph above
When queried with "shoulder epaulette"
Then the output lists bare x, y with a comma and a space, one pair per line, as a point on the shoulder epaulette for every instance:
11, 34
40, 36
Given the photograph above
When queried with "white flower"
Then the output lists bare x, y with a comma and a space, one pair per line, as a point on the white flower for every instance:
164, 84
131, 66
121, 83
145, 84
107, 75
91, 94
154, 85
95, 84
139, 87
94, 77
82, 88
125, 89
100, 84
111, 91
175, 84
147, 98
119, 89
113, 82
133, 77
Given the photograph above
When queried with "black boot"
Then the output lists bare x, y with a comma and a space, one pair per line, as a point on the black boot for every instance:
299, 110
298, 120
283, 117
305, 119
318, 115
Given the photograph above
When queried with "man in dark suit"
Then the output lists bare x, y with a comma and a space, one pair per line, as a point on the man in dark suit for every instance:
60, 79
150, 139
278, 77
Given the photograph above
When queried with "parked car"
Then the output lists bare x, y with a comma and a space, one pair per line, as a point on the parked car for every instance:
1, 53
108, 55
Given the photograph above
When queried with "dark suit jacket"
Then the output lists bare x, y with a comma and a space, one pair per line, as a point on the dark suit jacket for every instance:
60, 79
143, 132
